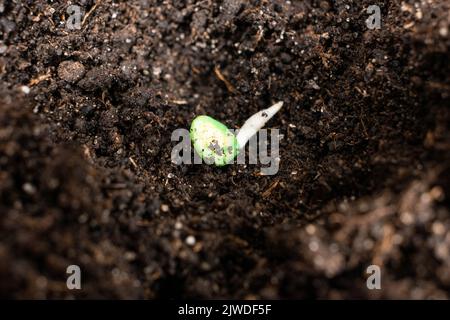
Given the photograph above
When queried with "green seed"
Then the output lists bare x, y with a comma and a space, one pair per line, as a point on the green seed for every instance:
213, 141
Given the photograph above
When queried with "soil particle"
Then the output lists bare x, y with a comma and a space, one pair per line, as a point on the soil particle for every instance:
71, 71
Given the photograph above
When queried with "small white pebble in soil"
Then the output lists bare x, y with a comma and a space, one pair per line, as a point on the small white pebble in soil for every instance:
28, 188
130, 255
190, 240
164, 208
25, 89
443, 31
313, 246
438, 228
178, 225
419, 14
310, 229
406, 218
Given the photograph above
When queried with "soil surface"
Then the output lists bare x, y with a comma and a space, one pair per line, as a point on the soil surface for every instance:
86, 178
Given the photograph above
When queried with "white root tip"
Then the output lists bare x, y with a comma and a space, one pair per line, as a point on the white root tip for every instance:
255, 123
271, 111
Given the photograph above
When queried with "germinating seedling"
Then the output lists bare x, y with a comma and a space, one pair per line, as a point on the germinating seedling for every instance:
215, 143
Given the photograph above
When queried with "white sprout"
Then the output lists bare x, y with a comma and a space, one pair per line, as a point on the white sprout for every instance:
255, 123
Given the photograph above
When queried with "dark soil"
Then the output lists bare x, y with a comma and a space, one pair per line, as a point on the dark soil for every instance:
86, 176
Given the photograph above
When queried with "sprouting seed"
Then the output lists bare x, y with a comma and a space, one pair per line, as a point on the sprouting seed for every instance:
216, 144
